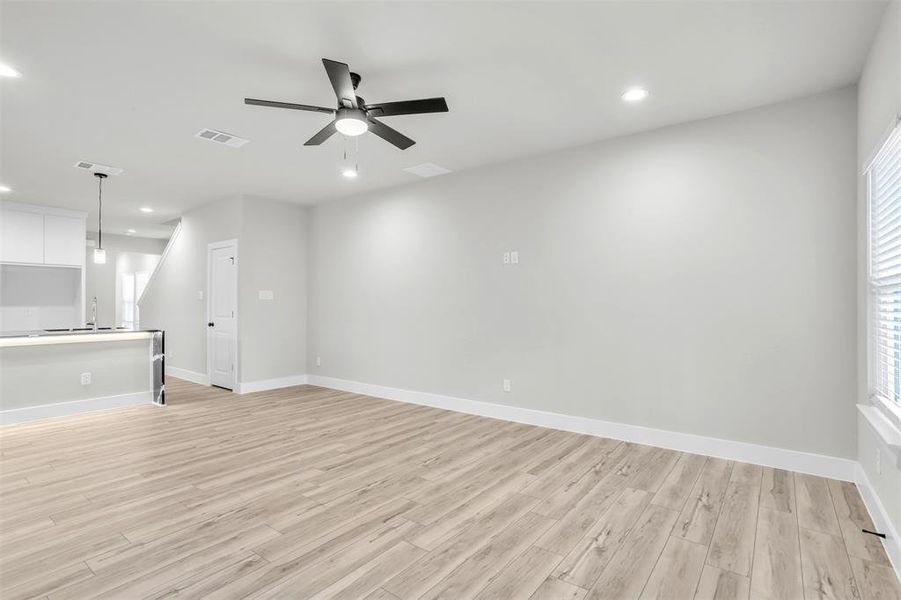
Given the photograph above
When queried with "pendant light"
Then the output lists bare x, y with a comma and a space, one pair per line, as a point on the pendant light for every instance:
99, 252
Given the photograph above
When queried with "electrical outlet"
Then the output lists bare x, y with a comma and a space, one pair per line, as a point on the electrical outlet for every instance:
506, 385
266, 295
318, 361
85, 379
506, 258
514, 257
878, 462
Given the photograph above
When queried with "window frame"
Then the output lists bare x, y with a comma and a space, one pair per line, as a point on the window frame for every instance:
889, 408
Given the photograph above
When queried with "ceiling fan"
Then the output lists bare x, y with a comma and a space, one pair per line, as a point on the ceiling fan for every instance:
353, 116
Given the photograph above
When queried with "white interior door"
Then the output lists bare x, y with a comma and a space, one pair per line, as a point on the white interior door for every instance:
222, 326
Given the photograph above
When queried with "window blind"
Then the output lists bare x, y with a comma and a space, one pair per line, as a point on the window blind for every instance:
884, 191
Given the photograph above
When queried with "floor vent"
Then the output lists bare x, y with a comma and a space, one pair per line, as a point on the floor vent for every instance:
98, 168
220, 137
427, 170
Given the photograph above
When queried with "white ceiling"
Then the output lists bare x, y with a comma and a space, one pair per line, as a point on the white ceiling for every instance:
128, 84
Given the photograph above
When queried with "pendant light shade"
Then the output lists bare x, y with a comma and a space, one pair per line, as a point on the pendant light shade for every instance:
99, 252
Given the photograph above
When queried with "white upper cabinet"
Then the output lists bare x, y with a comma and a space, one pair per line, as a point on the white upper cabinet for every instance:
21, 237
63, 241
40, 235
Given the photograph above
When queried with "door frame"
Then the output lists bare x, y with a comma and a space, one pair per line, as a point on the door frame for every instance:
209, 309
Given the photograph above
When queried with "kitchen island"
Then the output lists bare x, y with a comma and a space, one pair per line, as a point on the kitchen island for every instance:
55, 373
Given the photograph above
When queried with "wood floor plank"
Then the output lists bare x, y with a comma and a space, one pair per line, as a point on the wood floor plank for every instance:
717, 584
628, 570
309, 492
815, 509
698, 517
732, 545
554, 589
473, 574
826, 567
777, 490
852, 519
677, 571
590, 555
777, 557
875, 581
678, 484
522, 577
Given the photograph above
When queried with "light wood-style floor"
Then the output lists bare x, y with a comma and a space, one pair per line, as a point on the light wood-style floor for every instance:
311, 493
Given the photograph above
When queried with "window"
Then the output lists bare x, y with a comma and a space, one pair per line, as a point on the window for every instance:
884, 191
131, 288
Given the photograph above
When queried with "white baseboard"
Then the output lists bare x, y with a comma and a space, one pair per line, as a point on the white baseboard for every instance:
792, 460
192, 376
62, 409
271, 384
881, 521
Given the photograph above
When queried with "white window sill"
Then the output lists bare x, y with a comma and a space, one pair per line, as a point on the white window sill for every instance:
884, 427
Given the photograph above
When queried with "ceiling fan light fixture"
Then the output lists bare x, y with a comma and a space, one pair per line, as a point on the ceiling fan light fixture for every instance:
351, 122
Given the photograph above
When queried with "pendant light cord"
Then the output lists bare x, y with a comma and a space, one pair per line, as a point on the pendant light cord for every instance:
99, 211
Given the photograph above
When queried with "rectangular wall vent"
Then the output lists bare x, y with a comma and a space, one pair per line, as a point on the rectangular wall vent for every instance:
98, 168
427, 170
220, 137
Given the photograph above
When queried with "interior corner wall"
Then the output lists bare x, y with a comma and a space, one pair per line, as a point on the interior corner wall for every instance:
879, 106
100, 279
272, 251
171, 301
698, 278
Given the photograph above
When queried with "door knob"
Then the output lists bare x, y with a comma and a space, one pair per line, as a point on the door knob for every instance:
210, 324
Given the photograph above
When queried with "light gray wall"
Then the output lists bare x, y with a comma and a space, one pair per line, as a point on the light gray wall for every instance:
100, 280
271, 256
879, 104
39, 375
698, 278
170, 301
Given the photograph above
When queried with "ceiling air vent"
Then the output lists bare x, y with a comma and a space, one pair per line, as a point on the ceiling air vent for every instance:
427, 170
98, 168
220, 137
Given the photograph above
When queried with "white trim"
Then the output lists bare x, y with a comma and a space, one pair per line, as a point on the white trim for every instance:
882, 426
262, 385
209, 297
44, 210
881, 520
192, 376
792, 460
61, 409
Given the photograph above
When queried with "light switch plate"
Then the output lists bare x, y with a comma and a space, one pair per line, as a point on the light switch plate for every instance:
514, 257
85, 379
200, 294
266, 295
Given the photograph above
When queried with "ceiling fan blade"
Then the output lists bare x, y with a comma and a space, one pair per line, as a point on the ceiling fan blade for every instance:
339, 75
390, 135
407, 107
274, 104
324, 134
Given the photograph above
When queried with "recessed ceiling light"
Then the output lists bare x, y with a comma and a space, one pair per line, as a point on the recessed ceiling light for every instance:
349, 172
8, 71
146, 209
4, 189
635, 94
130, 231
